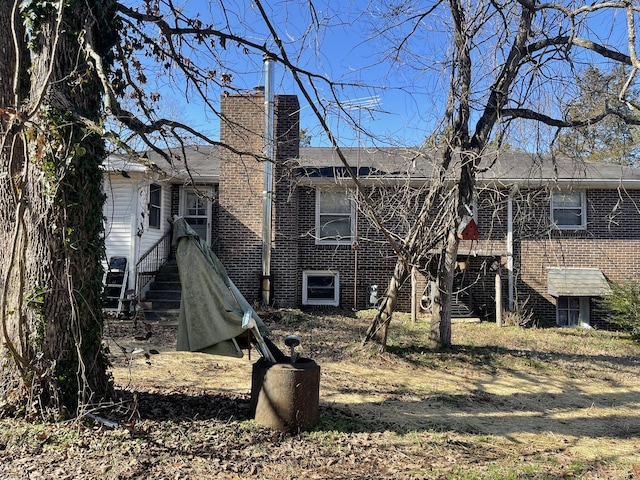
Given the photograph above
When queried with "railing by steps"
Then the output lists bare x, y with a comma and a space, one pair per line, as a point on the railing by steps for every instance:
149, 264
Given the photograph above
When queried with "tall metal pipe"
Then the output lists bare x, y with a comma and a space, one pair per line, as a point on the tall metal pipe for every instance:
267, 192
512, 193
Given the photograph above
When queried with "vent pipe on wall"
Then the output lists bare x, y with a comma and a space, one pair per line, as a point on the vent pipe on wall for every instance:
267, 192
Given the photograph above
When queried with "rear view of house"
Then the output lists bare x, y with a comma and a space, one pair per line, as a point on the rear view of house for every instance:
553, 232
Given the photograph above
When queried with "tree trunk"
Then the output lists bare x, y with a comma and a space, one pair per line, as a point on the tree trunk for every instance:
440, 328
11, 163
440, 331
52, 252
380, 325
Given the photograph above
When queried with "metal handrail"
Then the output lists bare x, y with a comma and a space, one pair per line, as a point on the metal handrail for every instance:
149, 264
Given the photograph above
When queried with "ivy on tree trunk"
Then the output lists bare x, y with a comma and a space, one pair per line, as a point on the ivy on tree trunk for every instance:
53, 245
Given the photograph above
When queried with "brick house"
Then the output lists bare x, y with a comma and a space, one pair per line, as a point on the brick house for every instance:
555, 231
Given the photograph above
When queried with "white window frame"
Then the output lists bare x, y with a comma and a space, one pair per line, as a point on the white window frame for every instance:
347, 240
582, 207
155, 207
583, 311
205, 193
307, 274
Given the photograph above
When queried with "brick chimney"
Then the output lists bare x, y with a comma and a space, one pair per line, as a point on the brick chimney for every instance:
240, 195
284, 260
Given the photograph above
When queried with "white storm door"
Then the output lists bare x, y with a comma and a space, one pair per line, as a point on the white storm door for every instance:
196, 210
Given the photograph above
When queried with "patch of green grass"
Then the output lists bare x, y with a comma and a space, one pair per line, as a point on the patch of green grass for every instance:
333, 421
294, 318
500, 472
540, 365
17, 433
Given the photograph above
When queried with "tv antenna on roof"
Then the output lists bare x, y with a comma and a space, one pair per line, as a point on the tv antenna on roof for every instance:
369, 104
363, 103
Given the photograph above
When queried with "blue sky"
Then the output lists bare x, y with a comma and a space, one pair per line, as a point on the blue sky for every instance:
408, 100
343, 52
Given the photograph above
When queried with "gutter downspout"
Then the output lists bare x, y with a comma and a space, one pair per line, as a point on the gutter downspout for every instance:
134, 244
267, 191
514, 190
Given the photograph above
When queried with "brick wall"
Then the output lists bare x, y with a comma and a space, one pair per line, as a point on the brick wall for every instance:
284, 260
375, 259
611, 243
240, 214
240, 191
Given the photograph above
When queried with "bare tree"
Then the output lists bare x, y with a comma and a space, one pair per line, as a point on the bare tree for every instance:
52, 204
64, 81
506, 62
64, 78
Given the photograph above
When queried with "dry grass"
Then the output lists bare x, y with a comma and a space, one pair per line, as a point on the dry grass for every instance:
502, 403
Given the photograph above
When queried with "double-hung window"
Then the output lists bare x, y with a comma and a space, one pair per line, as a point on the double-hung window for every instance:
155, 199
569, 210
334, 217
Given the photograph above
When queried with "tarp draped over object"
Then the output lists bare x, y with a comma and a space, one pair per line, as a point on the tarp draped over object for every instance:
211, 308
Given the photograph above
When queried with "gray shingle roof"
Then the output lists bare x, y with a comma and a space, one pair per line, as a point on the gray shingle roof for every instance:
504, 167
316, 163
202, 162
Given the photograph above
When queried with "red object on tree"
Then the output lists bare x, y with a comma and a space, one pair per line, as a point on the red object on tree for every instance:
468, 231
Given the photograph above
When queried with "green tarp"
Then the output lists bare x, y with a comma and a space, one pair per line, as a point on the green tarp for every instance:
211, 308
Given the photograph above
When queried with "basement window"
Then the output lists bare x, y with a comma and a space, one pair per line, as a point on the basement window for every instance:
320, 288
572, 312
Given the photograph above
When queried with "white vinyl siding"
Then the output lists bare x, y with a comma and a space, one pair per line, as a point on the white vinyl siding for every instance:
119, 207
127, 232
119, 212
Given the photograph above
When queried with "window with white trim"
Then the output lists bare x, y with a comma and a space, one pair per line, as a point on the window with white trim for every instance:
569, 210
320, 288
572, 311
155, 206
335, 215
195, 207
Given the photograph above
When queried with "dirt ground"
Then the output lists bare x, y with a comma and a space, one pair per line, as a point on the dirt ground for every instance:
502, 403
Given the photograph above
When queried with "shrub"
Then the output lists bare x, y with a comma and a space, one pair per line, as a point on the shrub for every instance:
521, 316
623, 306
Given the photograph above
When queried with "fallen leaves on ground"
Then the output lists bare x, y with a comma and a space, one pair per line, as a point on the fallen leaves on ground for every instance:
507, 404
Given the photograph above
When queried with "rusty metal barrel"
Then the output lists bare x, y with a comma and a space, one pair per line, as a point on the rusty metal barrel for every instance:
285, 396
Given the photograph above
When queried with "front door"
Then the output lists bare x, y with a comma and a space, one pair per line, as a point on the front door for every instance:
196, 210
